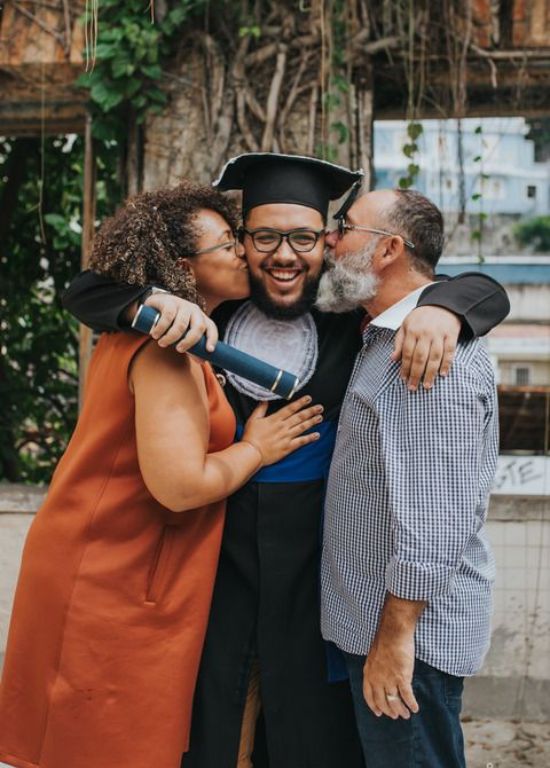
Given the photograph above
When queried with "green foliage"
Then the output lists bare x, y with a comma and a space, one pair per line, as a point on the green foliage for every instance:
410, 149
338, 87
535, 233
477, 197
253, 31
341, 130
128, 64
39, 341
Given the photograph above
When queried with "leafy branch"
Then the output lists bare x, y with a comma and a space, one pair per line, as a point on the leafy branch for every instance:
477, 197
410, 150
129, 58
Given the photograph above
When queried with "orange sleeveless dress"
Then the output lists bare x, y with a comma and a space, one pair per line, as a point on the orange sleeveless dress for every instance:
113, 596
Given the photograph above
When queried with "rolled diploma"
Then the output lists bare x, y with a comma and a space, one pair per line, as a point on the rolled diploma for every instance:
276, 380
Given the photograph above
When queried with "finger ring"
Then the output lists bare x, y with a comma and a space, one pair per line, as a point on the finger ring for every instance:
391, 697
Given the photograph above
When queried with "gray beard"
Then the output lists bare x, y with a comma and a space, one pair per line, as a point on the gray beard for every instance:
348, 282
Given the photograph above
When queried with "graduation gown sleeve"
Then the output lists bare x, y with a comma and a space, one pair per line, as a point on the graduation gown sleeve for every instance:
99, 302
479, 300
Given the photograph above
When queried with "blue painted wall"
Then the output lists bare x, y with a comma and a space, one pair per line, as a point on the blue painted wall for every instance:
515, 184
509, 274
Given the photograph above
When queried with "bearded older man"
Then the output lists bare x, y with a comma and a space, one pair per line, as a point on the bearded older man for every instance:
406, 568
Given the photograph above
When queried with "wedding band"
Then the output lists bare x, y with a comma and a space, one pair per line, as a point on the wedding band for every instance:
391, 697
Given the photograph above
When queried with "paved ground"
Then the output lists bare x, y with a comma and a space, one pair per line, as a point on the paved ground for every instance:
504, 744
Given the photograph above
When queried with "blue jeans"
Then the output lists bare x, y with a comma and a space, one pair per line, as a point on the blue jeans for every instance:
430, 739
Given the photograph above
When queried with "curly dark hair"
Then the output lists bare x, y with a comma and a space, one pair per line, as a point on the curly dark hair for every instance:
151, 231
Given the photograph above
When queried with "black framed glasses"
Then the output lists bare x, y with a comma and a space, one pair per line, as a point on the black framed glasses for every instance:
268, 240
343, 228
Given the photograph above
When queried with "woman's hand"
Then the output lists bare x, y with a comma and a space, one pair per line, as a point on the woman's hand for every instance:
279, 434
426, 344
179, 317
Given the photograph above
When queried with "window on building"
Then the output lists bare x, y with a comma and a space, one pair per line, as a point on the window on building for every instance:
524, 415
531, 191
522, 376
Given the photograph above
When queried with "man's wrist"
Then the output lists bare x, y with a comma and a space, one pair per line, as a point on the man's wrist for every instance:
399, 616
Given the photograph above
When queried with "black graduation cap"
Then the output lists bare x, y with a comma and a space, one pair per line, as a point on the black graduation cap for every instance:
267, 177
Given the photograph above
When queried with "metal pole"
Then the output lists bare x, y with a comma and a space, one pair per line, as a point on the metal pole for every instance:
88, 218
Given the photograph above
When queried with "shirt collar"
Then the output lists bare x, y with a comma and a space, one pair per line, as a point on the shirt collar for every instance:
393, 316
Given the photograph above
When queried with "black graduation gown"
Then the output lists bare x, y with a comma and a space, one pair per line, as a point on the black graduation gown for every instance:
266, 601
266, 598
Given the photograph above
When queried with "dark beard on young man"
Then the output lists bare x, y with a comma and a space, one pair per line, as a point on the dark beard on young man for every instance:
260, 297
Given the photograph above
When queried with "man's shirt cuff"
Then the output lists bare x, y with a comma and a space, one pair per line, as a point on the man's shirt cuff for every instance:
418, 581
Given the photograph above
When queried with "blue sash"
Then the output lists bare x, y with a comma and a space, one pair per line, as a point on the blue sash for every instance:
309, 463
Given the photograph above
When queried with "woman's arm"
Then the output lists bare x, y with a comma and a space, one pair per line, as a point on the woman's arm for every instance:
172, 432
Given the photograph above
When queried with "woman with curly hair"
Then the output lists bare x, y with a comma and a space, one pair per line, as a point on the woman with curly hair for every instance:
118, 569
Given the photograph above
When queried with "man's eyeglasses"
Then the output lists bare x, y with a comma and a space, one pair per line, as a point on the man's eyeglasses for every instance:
268, 240
343, 228
230, 244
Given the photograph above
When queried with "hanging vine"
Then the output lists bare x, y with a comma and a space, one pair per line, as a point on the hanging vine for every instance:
125, 54
279, 74
478, 198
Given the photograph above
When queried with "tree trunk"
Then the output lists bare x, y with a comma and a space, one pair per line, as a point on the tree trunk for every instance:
275, 93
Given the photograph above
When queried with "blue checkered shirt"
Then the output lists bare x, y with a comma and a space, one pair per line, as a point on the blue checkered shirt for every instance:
406, 503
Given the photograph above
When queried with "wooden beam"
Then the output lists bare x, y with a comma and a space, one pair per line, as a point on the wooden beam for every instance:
27, 119
23, 111
498, 108
88, 219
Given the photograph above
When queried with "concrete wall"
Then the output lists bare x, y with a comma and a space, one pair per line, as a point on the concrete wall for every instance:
529, 302
17, 506
515, 680
539, 371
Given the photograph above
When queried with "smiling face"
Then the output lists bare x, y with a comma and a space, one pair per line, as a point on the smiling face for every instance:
221, 273
284, 282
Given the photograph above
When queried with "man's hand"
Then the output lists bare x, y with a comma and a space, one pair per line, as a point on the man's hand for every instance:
426, 344
389, 667
179, 317
387, 677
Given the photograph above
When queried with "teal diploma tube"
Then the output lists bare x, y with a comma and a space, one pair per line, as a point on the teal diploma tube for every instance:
276, 380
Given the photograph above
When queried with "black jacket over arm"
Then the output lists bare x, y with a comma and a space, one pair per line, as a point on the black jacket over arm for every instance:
479, 300
99, 302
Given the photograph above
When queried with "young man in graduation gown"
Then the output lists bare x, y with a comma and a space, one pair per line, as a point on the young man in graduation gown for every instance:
264, 631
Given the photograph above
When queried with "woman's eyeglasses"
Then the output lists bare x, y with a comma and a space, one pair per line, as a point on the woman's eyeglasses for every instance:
230, 244
268, 240
343, 228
